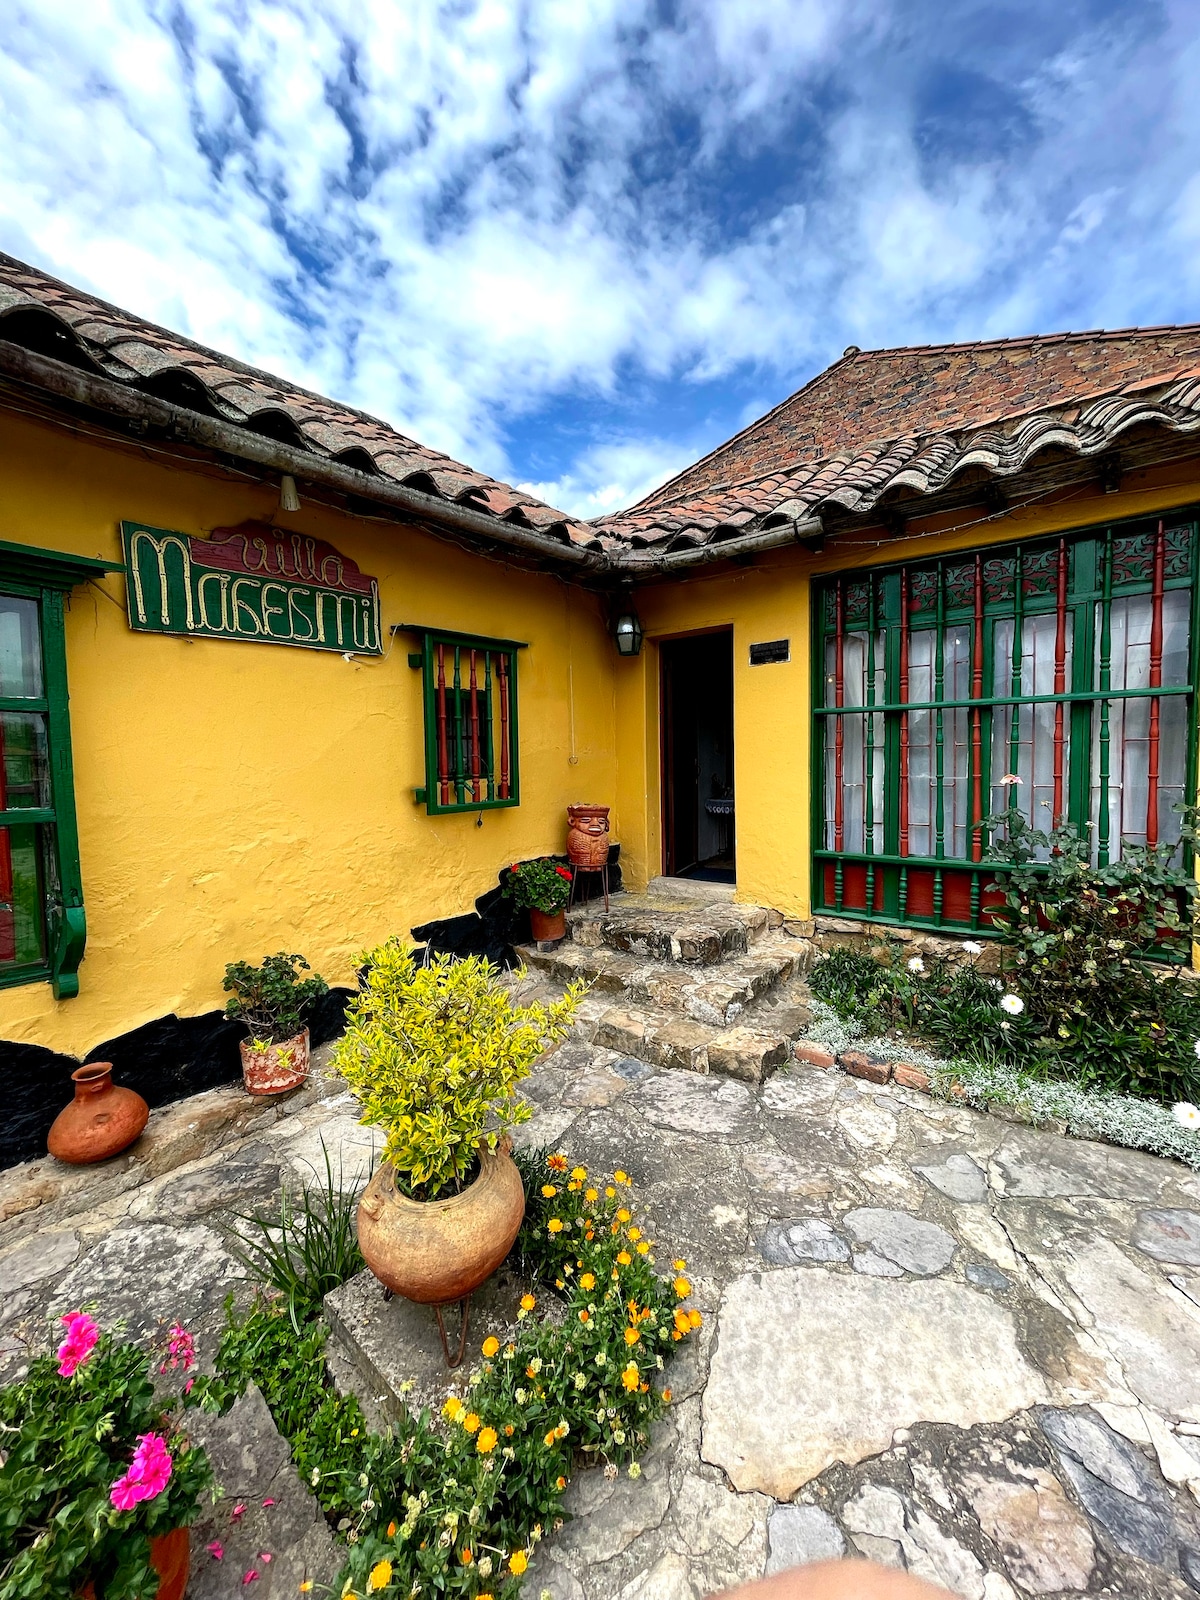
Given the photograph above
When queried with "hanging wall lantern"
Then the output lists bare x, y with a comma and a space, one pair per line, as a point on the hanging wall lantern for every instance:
627, 629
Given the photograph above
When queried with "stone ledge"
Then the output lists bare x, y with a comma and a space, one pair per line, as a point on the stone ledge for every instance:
38, 1193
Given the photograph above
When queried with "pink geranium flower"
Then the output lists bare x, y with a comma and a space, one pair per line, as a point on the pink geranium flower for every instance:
147, 1475
82, 1334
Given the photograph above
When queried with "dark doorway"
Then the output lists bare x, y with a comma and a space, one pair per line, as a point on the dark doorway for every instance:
697, 724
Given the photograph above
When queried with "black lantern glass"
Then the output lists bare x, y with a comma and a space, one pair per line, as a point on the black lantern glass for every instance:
627, 631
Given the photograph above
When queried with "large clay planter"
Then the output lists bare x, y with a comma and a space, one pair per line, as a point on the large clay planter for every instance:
587, 836
436, 1251
102, 1120
276, 1069
170, 1556
546, 925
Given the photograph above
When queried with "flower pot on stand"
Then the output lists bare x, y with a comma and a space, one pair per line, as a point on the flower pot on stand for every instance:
101, 1121
275, 1068
547, 925
587, 836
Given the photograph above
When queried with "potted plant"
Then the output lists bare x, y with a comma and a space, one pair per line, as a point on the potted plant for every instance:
99, 1485
435, 1053
272, 1001
544, 887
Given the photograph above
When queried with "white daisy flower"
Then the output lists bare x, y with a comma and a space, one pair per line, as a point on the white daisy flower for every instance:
916, 965
971, 948
1188, 1115
1012, 1003
1196, 1047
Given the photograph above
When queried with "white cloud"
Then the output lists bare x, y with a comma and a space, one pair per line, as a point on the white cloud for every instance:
454, 215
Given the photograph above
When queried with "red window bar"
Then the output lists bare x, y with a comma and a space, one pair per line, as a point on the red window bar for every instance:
1034, 663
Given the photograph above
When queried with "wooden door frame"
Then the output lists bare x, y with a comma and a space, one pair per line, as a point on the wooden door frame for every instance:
665, 763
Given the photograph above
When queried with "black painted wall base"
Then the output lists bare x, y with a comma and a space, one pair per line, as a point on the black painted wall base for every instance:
164, 1060
497, 925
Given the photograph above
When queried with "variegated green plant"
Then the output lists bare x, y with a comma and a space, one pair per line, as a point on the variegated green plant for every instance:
436, 1053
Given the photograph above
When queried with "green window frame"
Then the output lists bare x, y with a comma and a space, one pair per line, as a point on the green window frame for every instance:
1056, 676
43, 929
469, 697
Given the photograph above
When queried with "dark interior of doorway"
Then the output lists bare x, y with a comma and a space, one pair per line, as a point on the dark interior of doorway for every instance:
697, 723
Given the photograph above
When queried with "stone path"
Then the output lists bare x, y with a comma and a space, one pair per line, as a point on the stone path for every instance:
932, 1336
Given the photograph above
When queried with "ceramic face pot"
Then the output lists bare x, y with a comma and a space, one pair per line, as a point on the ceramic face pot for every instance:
587, 836
547, 924
102, 1120
436, 1251
170, 1556
277, 1068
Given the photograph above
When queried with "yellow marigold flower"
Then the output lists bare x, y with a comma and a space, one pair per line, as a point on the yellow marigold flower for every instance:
486, 1442
561, 1431
635, 1233
666, 1394
590, 1235
555, 1225
621, 1177
644, 1248
527, 1302
590, 1196
681, 1320
611, 1192
306, 1586
551, 1439
517, 1563
682, 1288
557, 1163
573, 1187
508, 1430
471, 1422
680, 1266
560, 1484
624, 1257
381, 1575
549, 1190
587, 1281
632, 1336
467, 1556
490, 1346
453, 1408
630, 1377
695, 1318
624, 1215
585, 1316
579, 1174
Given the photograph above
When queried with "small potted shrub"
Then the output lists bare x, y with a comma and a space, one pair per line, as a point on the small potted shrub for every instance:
544, 887
435, 1053
99, 1485
272, 1001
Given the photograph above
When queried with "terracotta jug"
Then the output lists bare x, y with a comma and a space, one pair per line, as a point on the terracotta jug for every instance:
102, 1120
587, 836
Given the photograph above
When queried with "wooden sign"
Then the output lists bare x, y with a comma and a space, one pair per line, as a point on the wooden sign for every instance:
254, 582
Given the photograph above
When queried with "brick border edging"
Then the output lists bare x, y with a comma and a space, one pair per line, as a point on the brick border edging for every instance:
859, 1064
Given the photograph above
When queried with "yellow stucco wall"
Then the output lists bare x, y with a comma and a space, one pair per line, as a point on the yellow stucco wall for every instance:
236, 799
772, 726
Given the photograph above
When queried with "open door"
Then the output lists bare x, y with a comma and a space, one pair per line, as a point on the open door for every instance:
697, 765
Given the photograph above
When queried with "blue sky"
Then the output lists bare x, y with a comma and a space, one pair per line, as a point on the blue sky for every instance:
577, 243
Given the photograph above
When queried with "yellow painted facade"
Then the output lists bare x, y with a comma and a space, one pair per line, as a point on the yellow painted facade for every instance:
240, 798
235, 799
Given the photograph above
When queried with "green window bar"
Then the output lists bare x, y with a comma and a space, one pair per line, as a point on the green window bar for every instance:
1055, 678
469, 693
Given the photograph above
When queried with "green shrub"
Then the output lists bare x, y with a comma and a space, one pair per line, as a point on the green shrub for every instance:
455, 1505
67, 1438
272, 999
435, 1054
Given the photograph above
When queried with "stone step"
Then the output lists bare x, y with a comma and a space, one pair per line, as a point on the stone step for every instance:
657, 929
691, 890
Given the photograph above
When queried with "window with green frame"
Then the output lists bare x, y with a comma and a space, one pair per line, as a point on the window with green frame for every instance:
42, 926
1055, 678
469, 691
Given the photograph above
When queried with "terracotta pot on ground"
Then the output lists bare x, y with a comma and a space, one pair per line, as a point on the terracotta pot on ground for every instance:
547, 925
278, 1067
170, 1556
102, 1120
436, 1251
587, 836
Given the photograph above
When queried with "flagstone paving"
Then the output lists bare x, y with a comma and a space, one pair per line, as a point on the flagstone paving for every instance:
934, 1337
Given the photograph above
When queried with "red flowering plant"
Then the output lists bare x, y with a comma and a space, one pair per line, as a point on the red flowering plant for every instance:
542, 885
94, 1467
